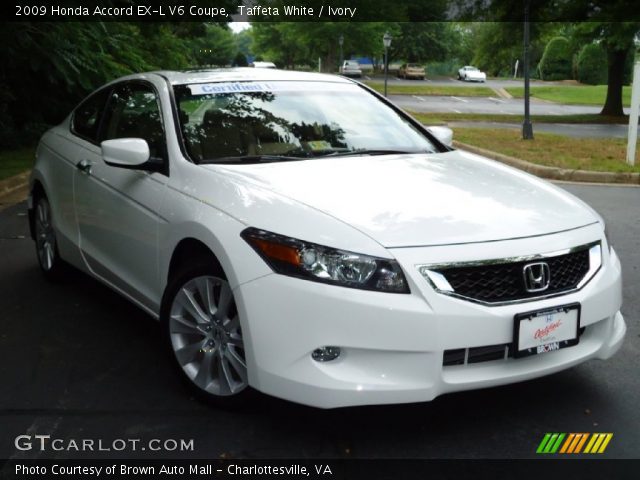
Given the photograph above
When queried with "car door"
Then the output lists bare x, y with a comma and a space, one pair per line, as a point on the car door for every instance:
117, 208
63, 150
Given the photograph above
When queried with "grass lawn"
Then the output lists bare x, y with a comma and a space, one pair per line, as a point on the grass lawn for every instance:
432, 90
572, 94
442, 118
604, 155
16, 161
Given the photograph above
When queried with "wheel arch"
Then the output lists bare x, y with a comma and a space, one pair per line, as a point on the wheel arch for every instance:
223, 245
190, 249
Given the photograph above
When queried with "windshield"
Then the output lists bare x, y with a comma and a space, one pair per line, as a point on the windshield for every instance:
281, 120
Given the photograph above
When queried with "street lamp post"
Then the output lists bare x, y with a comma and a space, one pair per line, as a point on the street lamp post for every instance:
527, 128
340, 42
386, 41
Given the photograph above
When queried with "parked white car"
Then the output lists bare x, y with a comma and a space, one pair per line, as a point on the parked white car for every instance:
471, 74
350, 68
297, 234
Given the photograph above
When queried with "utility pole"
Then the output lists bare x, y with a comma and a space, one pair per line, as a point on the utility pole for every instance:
527, 128
632, 137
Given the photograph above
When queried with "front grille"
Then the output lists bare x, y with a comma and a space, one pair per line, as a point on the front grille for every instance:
503, 282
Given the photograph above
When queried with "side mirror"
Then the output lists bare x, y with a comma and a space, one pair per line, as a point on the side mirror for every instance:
444, 134
130, 153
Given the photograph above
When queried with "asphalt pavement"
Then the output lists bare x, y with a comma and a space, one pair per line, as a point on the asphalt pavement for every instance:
79, 361
493, 105
452, 82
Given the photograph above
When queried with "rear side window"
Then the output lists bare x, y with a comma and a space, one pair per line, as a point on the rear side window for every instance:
86, 117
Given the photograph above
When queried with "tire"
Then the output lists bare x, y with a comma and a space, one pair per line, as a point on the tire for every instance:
202, 331
51, 265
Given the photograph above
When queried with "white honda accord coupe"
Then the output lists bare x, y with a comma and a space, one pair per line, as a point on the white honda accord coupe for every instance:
298, 235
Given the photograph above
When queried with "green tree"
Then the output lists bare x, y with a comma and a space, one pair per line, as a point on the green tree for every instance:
276, 42
617, 40
556, 62
592, 65
216, 47
243, 41
240, 60
47, 67
425, 41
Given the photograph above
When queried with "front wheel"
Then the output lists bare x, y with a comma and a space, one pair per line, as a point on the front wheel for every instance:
202, 328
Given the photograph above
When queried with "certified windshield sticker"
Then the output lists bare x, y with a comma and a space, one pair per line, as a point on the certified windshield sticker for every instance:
244, 87
235, 87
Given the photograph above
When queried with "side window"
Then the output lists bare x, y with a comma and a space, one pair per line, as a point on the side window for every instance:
133, 112
86, 117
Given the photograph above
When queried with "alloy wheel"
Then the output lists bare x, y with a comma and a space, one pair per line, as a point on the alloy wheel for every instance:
45, 235
206, 336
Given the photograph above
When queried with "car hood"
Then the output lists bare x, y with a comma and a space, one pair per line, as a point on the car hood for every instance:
419, 199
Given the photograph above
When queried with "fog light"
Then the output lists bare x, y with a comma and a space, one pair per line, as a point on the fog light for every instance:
325, 354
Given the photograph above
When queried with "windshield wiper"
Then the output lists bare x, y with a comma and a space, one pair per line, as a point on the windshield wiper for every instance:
365, 151
253, 159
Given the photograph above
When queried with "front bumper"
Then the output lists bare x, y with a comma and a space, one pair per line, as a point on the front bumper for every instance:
393, 344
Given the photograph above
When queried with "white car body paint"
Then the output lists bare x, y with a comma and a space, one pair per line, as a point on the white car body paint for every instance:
122, 227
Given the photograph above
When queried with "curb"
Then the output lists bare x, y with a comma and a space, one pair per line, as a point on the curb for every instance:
11, 189
10, 184
555, 173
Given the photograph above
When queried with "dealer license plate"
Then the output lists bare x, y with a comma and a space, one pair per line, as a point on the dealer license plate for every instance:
546, 330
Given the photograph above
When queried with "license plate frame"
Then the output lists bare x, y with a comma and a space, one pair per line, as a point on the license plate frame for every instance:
559, 312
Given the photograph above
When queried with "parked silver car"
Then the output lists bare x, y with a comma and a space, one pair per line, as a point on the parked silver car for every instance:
350, 68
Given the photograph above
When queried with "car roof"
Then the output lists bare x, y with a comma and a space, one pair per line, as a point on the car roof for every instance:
238, 74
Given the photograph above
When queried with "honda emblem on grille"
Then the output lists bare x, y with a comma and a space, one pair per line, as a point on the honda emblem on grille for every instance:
536, 277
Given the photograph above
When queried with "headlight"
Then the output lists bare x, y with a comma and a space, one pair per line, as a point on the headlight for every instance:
297, 258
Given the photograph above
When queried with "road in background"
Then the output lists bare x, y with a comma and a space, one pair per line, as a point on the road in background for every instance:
452, 82
78, 361
505, 106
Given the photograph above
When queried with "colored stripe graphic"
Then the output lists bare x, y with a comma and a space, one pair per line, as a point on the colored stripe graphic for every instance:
543, 443
567, 442
598, 443
550, 443
573, 443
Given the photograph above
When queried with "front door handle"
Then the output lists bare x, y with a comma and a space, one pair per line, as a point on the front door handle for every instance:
84, 166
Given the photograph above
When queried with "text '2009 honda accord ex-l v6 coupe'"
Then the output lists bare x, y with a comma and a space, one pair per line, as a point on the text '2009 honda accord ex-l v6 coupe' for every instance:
297, 234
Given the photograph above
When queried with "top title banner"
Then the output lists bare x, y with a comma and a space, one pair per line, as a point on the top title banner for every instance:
325, 10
